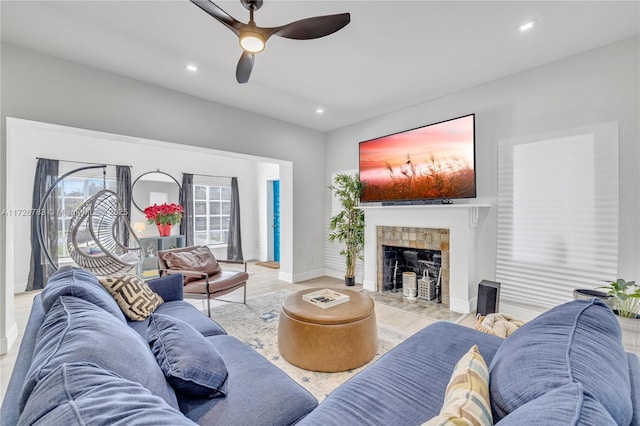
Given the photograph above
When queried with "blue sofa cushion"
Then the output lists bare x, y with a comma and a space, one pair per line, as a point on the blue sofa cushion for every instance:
192, 316
258, 393
75, 330
577, 342
70, 281
169, 287
414, 374
564, 406
81, 394
191, 364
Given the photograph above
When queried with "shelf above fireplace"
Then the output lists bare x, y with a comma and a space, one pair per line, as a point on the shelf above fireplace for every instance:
474, 209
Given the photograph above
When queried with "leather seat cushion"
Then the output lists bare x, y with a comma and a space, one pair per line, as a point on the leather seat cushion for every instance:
199, 259
220, 281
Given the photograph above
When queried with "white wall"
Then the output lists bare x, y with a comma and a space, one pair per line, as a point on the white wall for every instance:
598, 86
44, 88
28, 139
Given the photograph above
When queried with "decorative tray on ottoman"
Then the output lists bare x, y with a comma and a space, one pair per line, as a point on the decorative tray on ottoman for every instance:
325, 298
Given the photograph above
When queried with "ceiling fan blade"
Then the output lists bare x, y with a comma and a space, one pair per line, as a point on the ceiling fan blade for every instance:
245, 65
309, 28
222, 16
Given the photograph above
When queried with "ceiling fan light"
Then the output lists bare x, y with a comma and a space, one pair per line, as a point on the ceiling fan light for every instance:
252, 42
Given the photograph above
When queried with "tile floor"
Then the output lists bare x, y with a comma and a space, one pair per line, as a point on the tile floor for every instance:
262, 281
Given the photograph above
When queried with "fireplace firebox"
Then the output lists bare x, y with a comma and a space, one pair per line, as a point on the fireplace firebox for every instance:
419, 250
396, 260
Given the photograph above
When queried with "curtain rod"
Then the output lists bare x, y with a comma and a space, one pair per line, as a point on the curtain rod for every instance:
83, 162
213, 176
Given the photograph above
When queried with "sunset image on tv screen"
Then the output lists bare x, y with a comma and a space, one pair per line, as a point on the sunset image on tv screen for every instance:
431, 162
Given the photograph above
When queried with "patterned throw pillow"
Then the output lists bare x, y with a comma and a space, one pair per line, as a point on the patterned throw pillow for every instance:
466, 400
132, 294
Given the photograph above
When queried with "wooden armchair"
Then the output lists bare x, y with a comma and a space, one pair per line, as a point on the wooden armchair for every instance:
202, 274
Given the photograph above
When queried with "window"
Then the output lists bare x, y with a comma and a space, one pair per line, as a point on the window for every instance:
72, 192
557, 214
211, 207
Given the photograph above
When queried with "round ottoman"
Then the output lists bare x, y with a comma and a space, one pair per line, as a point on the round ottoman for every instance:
334, 339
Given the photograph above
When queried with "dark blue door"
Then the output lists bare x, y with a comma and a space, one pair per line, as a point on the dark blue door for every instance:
276, 220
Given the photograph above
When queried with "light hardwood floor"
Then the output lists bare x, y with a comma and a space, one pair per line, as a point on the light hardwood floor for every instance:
262, 281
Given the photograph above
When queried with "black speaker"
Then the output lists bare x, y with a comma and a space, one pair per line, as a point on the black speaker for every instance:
488, 297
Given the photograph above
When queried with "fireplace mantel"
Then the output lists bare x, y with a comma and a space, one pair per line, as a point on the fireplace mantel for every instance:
460, 219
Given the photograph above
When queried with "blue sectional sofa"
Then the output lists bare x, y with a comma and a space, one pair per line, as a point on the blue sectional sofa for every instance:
81, 361
566, 367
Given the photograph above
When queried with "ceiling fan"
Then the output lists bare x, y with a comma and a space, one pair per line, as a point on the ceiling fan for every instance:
253, 38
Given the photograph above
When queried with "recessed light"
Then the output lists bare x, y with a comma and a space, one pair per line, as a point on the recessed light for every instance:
527, 26
191, 68
319, 110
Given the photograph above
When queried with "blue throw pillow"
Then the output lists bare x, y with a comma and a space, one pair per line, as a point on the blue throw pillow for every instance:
191, 364
70, 281
75, 330
564, 406
83, 393
169, 287
577, 342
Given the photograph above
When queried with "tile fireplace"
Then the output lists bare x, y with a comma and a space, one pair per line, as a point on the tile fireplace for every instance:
418, 250
449, 229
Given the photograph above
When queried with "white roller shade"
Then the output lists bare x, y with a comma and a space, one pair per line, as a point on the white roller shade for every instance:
557, 214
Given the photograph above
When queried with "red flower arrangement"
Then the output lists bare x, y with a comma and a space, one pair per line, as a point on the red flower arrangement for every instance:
164, 214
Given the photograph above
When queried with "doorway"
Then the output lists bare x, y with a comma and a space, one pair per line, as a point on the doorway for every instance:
273, 220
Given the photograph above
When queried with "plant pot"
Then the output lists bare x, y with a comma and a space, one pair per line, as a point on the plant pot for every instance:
164, 230
630, 333
587, 294
349, 281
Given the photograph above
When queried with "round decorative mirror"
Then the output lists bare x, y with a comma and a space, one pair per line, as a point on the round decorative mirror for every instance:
154, 187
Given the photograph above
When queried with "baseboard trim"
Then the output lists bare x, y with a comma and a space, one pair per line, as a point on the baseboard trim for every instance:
333, 273
7, 342
369, 285
520, 310
462, 306
285, 276
309, 275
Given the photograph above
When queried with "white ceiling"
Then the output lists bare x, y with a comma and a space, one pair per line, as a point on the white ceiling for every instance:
392, 55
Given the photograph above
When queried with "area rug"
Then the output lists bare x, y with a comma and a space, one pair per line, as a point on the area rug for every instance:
270, 264
256, 324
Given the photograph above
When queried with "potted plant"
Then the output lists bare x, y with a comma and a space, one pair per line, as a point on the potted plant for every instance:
627, 308
347, 227
164, 216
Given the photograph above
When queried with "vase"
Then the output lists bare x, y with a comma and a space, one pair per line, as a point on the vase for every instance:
164, 230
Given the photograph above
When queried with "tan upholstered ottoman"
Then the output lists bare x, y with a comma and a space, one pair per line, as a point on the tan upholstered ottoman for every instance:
335, 339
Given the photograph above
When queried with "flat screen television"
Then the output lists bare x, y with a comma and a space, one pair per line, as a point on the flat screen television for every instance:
433, 163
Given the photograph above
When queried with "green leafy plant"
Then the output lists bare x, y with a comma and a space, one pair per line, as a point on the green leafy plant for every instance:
347, 227
627, 295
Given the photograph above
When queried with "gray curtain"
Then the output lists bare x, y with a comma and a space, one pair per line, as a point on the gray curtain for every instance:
234, 244
186, 201
39, 269
123, 192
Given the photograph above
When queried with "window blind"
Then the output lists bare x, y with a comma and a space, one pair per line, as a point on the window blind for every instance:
557, 214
